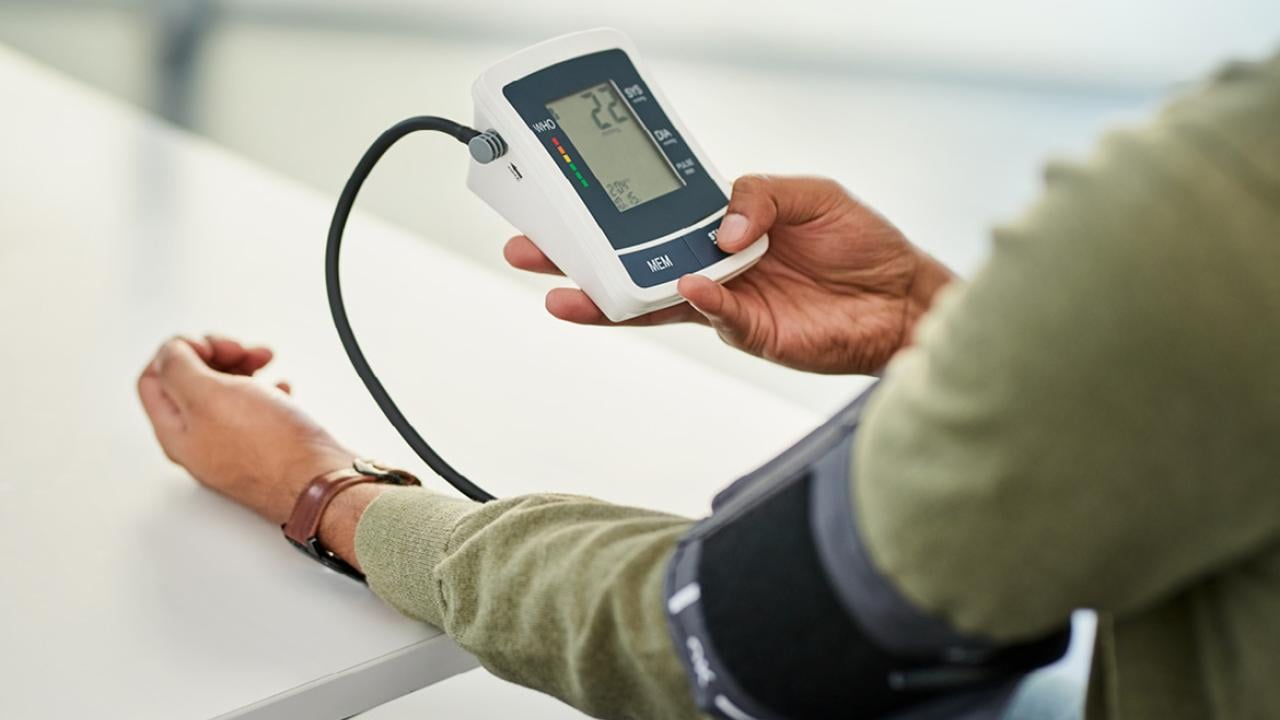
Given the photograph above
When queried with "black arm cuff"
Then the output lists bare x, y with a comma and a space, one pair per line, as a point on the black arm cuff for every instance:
777, 612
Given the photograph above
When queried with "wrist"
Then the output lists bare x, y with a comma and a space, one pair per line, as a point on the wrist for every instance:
929, 279
296, 474
339, 522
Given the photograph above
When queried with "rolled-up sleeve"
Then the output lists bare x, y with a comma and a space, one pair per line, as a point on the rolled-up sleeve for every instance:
555, 592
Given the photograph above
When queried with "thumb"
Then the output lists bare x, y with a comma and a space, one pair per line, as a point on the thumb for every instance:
724, 310
166, 419
758, 202
752, 211
182, 373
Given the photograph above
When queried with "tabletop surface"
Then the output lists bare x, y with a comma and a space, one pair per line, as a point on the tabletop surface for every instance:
132, 592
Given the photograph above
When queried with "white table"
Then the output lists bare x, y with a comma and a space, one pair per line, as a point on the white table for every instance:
131, 592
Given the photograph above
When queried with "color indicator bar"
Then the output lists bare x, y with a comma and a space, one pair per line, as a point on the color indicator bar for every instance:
572, 168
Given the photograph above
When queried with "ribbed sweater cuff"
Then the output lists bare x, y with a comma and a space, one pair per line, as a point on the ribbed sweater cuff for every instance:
401, 539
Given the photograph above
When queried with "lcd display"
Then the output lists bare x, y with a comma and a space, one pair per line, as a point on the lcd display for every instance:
613, 143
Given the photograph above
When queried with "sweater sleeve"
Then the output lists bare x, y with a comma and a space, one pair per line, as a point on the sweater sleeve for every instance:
1094, 421
559, 593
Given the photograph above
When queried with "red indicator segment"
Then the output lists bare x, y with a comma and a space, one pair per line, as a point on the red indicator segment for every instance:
563, 154
572, 168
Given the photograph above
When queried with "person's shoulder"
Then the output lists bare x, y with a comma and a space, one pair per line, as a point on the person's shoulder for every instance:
1156, 249
1233, 117
1204, 170
1262, 73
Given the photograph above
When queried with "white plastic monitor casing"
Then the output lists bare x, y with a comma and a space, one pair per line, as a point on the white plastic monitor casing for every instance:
544, 206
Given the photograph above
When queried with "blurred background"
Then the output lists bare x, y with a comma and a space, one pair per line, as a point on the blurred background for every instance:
939, 114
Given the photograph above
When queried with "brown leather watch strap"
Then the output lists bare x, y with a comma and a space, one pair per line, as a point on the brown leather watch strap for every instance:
303, 527
304, 522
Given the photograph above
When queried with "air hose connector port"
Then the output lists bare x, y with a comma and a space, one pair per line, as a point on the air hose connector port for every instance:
487, 147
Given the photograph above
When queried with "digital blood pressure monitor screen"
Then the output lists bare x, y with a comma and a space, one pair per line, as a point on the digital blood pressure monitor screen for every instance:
618, 148
622, 157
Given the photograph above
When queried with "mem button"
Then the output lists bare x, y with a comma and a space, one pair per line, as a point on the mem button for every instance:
703, 244
661, 263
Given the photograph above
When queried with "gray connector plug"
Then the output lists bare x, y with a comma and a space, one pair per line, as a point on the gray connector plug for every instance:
487, 147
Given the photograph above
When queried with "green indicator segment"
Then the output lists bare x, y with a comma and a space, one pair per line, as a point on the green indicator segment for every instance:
578, 174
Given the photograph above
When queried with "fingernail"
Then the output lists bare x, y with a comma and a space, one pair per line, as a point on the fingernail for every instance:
682, 288
693, 303
732, 229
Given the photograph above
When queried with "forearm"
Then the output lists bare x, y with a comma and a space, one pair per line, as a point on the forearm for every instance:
561, 594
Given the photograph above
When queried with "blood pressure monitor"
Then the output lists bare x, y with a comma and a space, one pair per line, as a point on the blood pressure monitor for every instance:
600, 173
576, 147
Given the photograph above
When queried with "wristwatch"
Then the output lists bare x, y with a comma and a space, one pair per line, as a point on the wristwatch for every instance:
303, 527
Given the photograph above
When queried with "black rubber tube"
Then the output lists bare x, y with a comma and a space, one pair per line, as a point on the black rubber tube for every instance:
333, 284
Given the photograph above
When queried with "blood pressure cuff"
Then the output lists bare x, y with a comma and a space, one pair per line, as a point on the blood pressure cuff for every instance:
778, 612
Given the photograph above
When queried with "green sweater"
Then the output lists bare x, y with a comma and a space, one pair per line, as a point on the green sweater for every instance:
1092, 422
